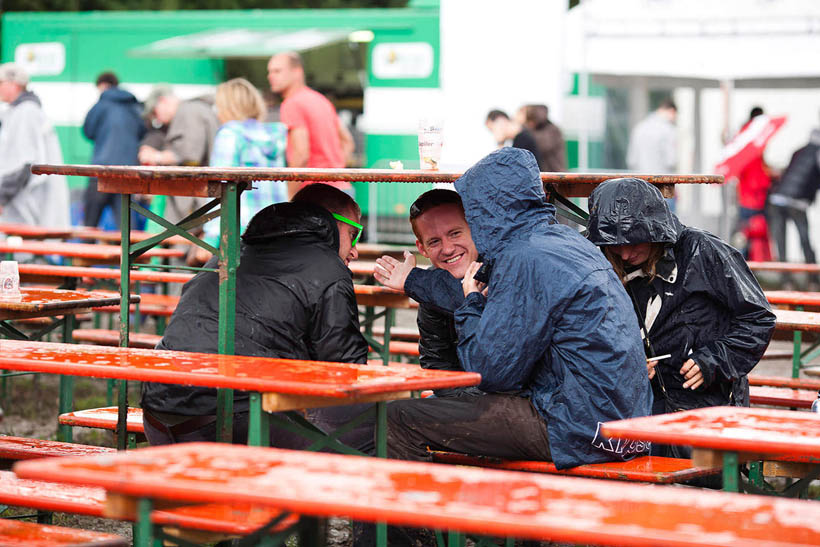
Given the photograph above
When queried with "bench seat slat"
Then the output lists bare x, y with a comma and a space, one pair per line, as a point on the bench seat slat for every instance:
240, 519
655, 469
782, 396
106, 337
31, 534
103, 418
21, 448
779, 381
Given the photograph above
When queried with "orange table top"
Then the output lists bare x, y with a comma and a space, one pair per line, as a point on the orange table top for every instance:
47, 270
206, 181
115, 236
793, 298
82, 250
15, 533
338, 381
473, 500
779, 381
782, 396
797, 320
34, 232
757, 430
784, 267
36, 302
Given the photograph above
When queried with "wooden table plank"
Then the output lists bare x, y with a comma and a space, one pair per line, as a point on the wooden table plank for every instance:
793, 267
793, 298
284, 376
804, 321
203, 181
103, 253
475, 500
37, 302
727, 428
34, 232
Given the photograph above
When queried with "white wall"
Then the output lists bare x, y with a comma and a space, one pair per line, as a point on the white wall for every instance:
496, 55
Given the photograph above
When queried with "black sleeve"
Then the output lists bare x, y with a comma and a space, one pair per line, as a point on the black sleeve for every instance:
437, 344
335, 334
526, 141
13, 182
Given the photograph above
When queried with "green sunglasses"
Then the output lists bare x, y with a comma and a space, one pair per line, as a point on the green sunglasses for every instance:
340, 218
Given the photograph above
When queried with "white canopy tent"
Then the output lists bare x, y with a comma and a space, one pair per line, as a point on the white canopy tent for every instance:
696, 44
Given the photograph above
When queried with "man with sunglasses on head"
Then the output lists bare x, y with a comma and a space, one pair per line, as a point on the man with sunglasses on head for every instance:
294, 300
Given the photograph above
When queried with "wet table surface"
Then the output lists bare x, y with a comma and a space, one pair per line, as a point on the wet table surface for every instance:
483, 501
14, 533
34, 232
288, 383
793, 298
805, 321
207, 181
87, 251
727, 428
35, 302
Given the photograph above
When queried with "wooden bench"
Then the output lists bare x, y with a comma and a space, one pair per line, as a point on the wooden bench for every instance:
455, 498
22, 448
103, 418
195, 523
106, 337
404, 334
16, 532
779, 381
654, 469
782, 396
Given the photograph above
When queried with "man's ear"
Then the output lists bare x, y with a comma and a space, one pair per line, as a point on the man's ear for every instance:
420, 247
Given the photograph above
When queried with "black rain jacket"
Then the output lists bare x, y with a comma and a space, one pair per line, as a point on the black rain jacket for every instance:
438, 345
712, 309
294, 300
557, 325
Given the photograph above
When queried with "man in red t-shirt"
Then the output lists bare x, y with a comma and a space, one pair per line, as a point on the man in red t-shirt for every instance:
316, 135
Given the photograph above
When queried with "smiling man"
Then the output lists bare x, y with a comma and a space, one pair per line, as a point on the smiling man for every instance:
442, 236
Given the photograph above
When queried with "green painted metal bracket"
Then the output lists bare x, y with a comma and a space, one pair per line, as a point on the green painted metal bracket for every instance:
195, 219
301, 426
144, 530
731, 472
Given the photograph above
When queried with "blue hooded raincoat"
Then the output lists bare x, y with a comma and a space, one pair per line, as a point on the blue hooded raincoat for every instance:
557, 325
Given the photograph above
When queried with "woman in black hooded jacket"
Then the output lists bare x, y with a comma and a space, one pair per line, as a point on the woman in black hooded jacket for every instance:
694, 295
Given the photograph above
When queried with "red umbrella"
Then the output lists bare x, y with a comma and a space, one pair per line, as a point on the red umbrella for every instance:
748, 144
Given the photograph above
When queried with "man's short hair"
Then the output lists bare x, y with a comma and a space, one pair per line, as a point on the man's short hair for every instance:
157, 92
493, 115
108, 78
12, 72
755, 112
668, 104
294, 58
328, 197
430, 199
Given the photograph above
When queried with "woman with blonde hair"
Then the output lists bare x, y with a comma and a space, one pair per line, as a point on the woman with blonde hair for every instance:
245, 140
696, 300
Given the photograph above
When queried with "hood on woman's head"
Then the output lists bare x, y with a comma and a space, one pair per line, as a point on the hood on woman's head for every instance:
502, 194
626, 211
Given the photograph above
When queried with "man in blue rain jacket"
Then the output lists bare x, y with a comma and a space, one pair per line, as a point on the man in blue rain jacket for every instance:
556, 339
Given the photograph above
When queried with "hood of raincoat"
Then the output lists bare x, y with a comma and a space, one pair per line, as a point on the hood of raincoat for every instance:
294, 222
503, 199
627, 211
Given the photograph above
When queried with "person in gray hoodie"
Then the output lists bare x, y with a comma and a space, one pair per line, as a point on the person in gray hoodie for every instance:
26, 138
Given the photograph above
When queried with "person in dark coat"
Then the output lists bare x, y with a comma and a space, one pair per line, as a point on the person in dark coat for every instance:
791, 197
505, 130
115, 125
555, 341
694, 296
294, 300
443, 237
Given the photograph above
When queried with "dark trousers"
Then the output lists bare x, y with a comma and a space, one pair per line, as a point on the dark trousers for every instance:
503, 426
778, 216
327, 419
95, 202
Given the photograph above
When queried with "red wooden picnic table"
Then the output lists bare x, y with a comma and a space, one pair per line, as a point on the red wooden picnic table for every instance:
793, 299
115, 236
455, 498
727, 435
83, 253
40, 272
275, 384
39, 302
34, 232
791, 267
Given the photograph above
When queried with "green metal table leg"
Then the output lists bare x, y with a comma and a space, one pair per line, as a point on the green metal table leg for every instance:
255, 419
731, 472
228, 264
756, 474
455, 539
125, 316
143, 531
66, 386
